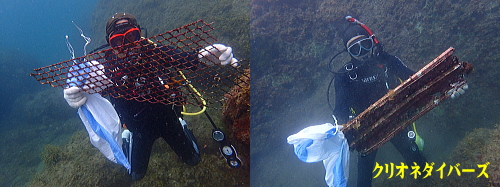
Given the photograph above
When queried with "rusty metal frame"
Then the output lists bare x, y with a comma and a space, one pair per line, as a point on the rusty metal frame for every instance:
154, 73
408, 102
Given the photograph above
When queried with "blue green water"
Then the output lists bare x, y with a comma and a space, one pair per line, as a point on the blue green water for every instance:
37, 28
32, 35
35, 117
294, 42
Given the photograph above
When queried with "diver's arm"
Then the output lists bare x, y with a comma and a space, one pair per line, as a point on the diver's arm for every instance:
399, 68
210, 55
176, 57
342, 100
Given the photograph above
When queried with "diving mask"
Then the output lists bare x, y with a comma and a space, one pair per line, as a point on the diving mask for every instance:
361, 47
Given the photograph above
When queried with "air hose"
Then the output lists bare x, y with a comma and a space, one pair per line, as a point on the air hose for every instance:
225, 147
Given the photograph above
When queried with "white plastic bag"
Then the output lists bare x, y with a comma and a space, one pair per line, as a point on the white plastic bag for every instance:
104, 128
324, 143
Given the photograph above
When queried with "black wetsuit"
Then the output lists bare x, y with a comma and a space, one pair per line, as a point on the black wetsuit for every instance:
362, 84
148, 122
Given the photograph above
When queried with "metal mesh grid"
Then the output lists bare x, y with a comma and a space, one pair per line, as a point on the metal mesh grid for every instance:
161, 69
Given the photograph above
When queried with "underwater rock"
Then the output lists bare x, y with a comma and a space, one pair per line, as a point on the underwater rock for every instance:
78, 164
236, 113
236, 110
491, 154
479, 147
52, 155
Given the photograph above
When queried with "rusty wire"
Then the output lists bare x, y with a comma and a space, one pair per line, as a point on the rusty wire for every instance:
406, 103
156, 70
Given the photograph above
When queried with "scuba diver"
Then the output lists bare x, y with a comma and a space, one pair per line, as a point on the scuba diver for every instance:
145, 122
368, 76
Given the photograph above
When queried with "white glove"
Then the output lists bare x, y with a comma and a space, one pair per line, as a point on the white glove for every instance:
455, 92
218, 54
74, 96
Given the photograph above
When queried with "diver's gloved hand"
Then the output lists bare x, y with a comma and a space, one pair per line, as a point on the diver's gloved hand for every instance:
456, 92
218, 54
74, 96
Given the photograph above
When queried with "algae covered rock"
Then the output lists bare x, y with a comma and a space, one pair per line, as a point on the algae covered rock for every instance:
78, 164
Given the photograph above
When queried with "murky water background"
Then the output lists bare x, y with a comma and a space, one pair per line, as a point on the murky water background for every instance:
293, 42
44, 142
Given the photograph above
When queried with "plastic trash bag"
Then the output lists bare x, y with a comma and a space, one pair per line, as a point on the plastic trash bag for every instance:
104, 128
88, 76
324, 143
